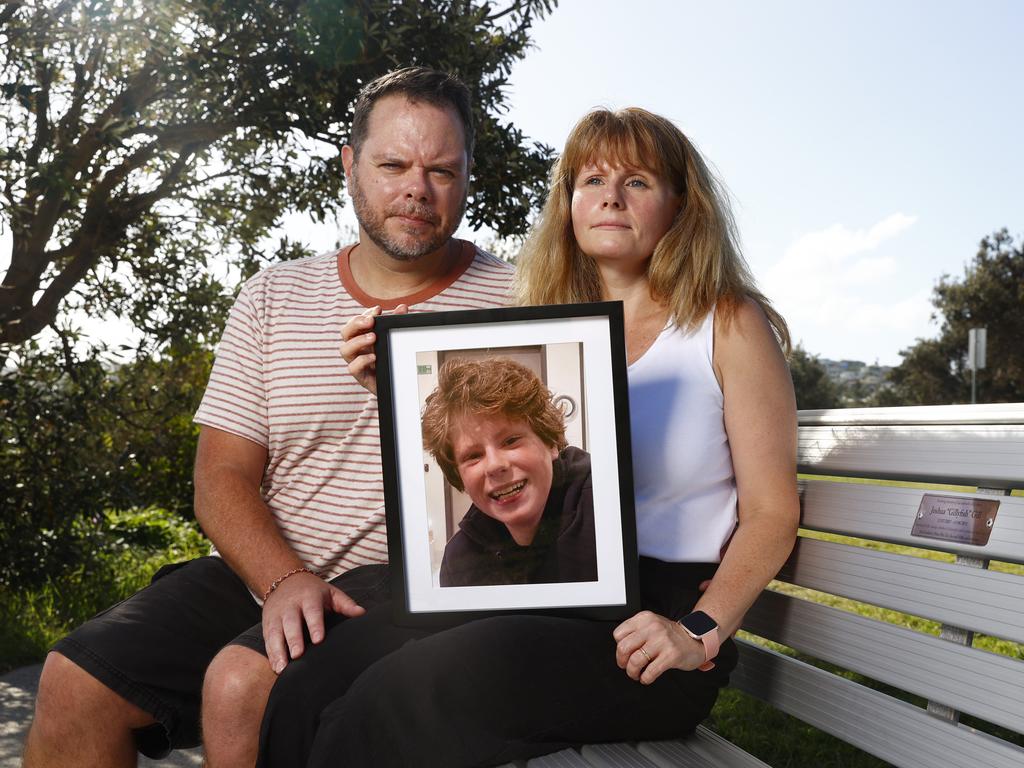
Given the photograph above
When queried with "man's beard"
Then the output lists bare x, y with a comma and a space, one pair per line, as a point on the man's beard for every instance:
373, 222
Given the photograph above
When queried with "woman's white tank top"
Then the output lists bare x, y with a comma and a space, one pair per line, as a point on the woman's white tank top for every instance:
682, 469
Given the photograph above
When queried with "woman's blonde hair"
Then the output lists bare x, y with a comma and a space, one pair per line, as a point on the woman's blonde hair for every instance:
696, 265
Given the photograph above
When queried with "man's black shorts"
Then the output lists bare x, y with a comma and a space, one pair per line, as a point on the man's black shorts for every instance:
153, 648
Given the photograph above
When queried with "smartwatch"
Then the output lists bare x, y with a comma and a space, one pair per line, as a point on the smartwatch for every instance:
702, 627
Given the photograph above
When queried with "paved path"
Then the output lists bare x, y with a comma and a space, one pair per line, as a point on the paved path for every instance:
17, 697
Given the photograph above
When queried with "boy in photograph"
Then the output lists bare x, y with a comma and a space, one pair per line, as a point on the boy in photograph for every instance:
496, 434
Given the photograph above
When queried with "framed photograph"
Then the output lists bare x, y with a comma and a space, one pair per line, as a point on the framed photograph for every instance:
508, 477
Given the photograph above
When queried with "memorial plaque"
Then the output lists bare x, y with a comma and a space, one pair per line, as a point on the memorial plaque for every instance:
955, 518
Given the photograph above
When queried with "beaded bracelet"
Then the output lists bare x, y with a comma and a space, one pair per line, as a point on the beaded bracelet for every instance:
279, 581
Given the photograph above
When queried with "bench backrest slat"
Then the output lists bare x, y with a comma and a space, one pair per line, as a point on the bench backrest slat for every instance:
979, 600
991, 456
977, 445
886, 513
967, 679
911, 415
895, 731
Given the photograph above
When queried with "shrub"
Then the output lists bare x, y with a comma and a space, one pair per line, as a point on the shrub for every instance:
78, 437
126, 551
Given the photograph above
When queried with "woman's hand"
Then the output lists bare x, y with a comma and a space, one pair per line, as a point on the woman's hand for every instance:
357, 338
649, 644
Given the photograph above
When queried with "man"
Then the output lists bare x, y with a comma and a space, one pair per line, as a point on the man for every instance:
288, 477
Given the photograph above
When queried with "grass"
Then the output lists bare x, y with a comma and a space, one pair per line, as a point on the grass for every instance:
134, 546
779, 739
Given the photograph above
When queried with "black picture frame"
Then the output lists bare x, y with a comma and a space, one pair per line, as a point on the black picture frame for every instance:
409, 348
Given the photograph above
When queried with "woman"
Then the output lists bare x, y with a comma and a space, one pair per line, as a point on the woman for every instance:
494, 430
633, 215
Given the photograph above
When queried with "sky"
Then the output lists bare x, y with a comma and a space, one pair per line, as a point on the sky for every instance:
867, 146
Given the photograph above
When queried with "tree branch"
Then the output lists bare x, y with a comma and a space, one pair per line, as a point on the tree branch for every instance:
10, 8
511, 9
27, 270
207, 179
104, 226
140, 87
41, 98
69, 126
181, 135
139, 204
101, 192
45, 310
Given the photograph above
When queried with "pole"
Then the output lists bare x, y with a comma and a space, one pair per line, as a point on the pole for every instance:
976, 338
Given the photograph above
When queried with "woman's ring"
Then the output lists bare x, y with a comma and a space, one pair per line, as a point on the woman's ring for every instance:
646, 654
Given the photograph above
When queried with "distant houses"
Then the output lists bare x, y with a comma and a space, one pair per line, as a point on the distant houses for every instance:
856, 381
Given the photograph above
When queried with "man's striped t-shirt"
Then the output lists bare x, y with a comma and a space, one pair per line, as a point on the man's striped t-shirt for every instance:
280, 381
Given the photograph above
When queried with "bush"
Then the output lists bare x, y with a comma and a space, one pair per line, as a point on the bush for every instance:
126, 551
79, 437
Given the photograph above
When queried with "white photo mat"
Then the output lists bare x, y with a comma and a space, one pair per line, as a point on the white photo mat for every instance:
593, 333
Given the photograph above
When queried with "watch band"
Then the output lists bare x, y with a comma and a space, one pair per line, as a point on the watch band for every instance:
711, 646
708, 638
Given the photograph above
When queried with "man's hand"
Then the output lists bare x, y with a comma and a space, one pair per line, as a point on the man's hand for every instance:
300, 600
357, 338
665, 645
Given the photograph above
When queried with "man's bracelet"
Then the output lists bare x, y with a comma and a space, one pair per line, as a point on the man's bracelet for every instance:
279, 581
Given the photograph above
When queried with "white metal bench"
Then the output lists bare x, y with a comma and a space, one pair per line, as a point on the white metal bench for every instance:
928, 680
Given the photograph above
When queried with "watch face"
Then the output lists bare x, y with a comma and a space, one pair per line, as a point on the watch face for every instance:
698, 622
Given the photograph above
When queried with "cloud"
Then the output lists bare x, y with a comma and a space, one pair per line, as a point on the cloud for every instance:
903, 315
827, 254
843, 297
866, 271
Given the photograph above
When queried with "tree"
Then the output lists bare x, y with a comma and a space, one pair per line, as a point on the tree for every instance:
990, 295
139, 139
80, 438
814, 388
